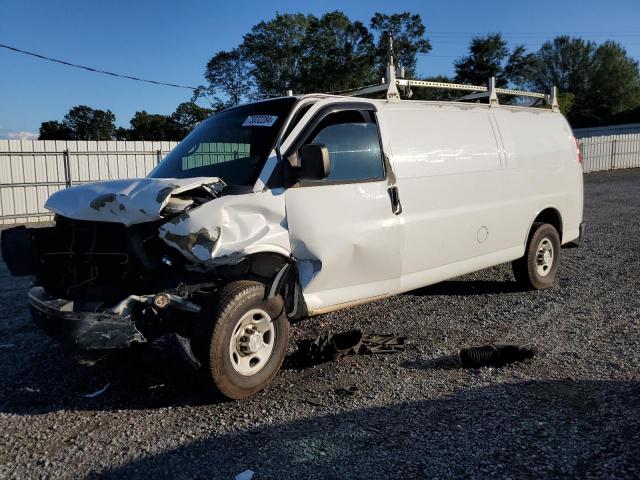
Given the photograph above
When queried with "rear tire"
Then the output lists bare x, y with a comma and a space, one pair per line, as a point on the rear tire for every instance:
537, 268
241, 339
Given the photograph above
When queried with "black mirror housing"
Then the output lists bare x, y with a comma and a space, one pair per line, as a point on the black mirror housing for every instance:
315, 163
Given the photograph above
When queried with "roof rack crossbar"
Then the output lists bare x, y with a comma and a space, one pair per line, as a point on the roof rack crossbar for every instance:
469, 88
448, 86
391, 84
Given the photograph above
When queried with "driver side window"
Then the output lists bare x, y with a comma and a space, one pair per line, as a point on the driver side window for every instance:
353, 144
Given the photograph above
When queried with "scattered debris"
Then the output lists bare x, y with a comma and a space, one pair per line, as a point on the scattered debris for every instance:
153, 387
87, 362
494, 355
316, 401
30, 390
246, 475
90, 359
331, 347
346, 391
97, 392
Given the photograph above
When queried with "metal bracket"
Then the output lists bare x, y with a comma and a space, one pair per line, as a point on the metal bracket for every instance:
392, 89
553, 101
493, 96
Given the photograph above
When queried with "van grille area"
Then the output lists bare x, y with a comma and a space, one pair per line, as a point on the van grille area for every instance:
97, 261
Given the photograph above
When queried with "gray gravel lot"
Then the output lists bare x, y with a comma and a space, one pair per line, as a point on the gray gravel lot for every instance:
572, 411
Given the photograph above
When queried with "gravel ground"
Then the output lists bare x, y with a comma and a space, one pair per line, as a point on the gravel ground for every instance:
572, 411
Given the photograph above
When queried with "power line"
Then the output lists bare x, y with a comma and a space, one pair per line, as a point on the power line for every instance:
95, 70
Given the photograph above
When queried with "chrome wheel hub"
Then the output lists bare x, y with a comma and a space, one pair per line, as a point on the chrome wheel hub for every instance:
544, 257
252, 342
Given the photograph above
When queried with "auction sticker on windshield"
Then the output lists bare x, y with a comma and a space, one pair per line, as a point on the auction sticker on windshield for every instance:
260, 121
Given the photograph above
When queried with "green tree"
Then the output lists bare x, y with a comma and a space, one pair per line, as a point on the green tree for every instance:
521, 67
485, 59
81, 123
275, 50
87, 123
229, 78
151, 126
54, 130
602, 82
338, 54
408, 40
306, 53
565, 63
122, 133
158, 127
187, 117
489, 56
615, 81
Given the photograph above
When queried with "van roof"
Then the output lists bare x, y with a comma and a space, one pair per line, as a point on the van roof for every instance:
415, 104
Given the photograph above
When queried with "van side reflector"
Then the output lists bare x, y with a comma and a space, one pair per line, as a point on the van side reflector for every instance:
578, 153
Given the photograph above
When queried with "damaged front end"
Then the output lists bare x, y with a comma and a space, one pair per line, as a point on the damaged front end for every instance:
102, 284
129, 261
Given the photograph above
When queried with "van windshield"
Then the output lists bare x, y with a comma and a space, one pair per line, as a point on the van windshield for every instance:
232, 145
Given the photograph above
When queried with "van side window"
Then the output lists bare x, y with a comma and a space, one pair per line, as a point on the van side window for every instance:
354, 146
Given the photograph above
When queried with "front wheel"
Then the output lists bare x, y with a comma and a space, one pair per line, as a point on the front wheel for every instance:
241, 339
537, 268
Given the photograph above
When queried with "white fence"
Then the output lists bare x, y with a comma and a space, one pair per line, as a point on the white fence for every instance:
609, 152
31, 170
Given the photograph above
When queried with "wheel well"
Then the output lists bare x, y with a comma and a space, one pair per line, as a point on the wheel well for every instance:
265, 265
552, 217
280, 275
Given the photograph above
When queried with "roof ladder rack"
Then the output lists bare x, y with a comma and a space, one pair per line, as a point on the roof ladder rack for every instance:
391, 83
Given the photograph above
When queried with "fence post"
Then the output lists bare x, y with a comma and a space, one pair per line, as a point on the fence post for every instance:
67, 168
158, 156
613, 154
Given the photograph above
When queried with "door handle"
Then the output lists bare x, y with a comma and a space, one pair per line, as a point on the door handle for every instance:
394, 196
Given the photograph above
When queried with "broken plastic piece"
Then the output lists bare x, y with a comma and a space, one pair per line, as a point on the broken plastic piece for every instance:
246, 475
331, 347
97, 392
494, 355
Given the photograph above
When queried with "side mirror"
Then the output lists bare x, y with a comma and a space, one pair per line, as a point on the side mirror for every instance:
314, 162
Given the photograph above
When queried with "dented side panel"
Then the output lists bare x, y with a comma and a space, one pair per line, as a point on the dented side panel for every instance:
346, 240
224, 230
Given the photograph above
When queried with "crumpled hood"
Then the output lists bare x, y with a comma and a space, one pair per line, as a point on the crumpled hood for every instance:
129, 201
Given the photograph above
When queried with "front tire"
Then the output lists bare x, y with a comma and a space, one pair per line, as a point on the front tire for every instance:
537, 268
241, 339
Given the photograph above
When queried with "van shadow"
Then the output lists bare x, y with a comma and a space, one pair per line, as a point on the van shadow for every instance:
139, 378
535, 429
445, 362
468, 287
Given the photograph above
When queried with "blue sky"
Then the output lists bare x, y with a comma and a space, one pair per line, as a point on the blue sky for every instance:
172, 41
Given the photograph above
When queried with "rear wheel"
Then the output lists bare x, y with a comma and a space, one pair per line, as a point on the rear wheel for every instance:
537, 268
241, 339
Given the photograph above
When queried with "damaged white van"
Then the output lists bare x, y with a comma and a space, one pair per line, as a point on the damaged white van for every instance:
296, 206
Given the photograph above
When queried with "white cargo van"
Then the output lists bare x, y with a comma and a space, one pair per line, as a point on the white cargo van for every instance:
297, 206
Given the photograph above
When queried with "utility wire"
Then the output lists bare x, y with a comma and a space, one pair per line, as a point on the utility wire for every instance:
90, 69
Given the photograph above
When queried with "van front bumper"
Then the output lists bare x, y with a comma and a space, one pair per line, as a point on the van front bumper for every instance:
82, 330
